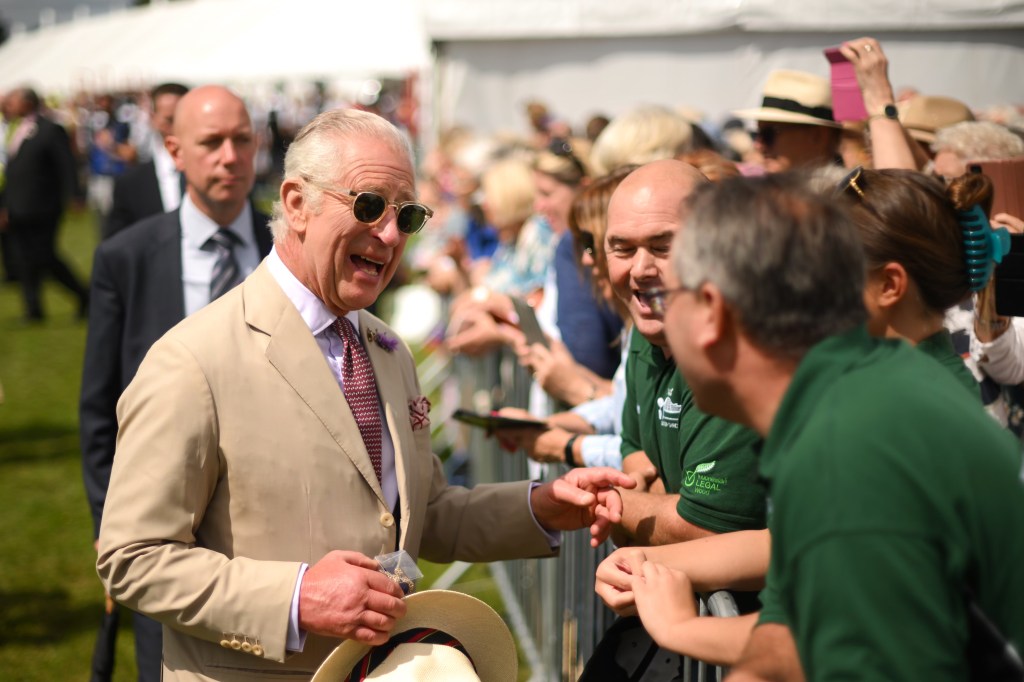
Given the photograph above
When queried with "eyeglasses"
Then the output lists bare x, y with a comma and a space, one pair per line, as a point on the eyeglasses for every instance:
370, 207
586, 242
852, 183
659, 299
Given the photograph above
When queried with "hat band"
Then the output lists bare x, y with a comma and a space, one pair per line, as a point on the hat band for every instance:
795, 107
377, 655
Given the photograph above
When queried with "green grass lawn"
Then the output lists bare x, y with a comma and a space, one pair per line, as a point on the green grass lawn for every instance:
51, 601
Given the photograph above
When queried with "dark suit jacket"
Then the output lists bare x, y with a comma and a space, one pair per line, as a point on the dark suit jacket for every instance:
41, 176
136, 296
136, 196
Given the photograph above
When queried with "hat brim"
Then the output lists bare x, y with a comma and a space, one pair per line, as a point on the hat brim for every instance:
921, 135
771, 115
475, 624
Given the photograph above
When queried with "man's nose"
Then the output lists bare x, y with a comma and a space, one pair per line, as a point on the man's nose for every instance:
387, 228
228, 153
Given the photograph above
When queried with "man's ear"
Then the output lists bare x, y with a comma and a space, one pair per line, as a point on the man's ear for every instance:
173, 146
713, 316
293, 203
893, 284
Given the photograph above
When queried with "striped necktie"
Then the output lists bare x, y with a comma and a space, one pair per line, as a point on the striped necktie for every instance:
360, 389
225, 270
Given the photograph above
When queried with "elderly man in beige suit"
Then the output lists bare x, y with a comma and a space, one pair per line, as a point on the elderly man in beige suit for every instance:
249, 487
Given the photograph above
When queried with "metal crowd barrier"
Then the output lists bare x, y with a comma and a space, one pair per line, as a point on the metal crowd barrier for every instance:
551, 604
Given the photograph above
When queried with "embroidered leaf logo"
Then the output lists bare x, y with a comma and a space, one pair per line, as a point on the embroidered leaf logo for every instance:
704, 468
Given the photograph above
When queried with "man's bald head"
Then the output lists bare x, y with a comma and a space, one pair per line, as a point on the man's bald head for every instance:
644, 214
214, 145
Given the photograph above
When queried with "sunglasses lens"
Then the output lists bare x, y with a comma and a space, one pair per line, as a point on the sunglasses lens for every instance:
587, 242
412, 218
369, 207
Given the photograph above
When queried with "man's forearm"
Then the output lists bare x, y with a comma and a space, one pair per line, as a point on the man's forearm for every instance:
770, 656
652, 519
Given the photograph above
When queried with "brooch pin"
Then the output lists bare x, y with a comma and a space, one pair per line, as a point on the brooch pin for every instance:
388, 343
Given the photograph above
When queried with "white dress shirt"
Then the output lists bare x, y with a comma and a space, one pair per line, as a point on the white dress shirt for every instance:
198, 258
167, 178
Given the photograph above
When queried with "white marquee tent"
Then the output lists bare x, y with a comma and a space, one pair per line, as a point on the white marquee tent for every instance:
587, 56
491, 56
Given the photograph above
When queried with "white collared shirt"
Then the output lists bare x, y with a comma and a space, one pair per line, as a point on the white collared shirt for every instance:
167, 177
319, 320
197, 259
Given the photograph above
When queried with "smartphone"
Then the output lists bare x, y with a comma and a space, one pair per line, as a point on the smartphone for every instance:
847, 100
1009, 280
493, 422
528, 323
1007, 177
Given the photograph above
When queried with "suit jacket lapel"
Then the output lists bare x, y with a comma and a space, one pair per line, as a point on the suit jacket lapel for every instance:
293, 351
391, 387
168, 296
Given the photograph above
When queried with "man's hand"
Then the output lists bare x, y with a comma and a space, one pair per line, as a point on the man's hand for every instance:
570, 502
614, 579
664, 600
638, 466
344, 595
545, 446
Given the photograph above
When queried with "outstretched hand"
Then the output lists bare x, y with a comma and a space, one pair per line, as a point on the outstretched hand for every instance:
571, 501
872, 69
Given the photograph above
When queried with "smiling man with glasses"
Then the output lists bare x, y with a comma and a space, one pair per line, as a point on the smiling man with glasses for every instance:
276, 440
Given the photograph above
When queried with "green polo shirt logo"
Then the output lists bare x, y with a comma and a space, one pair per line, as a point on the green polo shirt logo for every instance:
669, 411
701, 482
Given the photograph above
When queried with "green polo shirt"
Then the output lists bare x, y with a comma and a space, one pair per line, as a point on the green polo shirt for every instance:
892, 492
709, 461
940, 347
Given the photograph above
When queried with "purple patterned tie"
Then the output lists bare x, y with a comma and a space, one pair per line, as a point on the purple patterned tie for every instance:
360, 390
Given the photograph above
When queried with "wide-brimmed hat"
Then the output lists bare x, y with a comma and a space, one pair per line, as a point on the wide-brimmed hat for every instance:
922, 116
794, 97
444, 636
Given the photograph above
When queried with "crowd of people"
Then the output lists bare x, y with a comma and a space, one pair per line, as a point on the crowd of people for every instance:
774, 357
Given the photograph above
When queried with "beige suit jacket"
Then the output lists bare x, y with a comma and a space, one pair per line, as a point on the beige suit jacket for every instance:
238, 459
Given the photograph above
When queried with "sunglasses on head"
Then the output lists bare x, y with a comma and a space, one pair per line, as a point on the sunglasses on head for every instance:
853, 183
370, 207
561, 147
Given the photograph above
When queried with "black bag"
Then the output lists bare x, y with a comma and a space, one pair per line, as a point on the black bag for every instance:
627, 653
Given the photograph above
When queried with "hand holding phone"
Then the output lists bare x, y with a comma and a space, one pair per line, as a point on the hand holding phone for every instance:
847, 100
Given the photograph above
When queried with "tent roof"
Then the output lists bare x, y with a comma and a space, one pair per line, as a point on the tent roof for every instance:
527, 19
232, 41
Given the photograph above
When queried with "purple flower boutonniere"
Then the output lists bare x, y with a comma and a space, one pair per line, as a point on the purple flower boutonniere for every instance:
388, 343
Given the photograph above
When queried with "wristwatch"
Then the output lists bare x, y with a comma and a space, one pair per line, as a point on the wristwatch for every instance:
889, 111
570, 456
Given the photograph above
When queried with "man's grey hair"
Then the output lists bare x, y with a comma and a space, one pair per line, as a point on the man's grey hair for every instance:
318, 155
978, 141
787, 260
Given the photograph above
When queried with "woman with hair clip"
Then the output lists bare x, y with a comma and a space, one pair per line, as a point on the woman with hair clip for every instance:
925, 250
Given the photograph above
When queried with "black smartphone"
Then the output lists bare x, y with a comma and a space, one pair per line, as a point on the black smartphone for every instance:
492, 422
528, 323
1009, 280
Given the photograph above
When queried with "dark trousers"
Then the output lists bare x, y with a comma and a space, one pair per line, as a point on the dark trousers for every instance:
148, 647
34, 240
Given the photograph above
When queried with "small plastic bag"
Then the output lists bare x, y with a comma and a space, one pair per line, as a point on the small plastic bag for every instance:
401, 568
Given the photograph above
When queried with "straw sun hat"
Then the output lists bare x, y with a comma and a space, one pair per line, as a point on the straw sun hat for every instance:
794, 97
922, 116
444, 635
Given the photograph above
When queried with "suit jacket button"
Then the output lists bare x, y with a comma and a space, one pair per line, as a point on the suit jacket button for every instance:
387, 520
246, 647
235, 644
225, 643
257, 649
